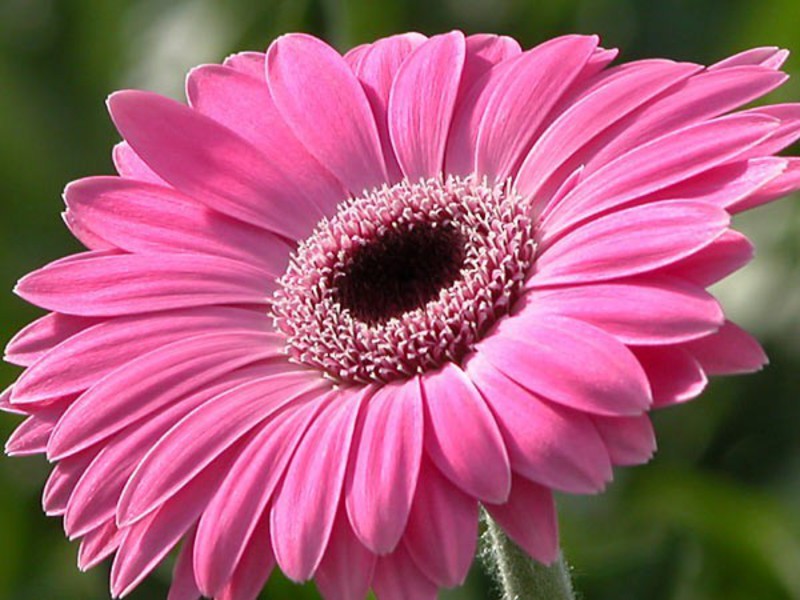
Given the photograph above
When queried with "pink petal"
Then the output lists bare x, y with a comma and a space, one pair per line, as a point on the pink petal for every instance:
231, 517
421, 104
529, 519
674, 375
787, 132
725, 185
244, 105
30, 436
522, 98
98, 545
183, 586
202, 435
658, 164
248, 63
729, 351
130, 166
630, 242
786, 183
149, 219
302, 515
146, 384
398, 578
485, 50
630, 440
255, 566
461, 435
42, 335
618, 96
376, 68
147, 542
5, 402
97, 494
82, 360
304, 74
536, 434
768, 56
210, 163
702, 97
125, 284
62, 481
442, 530
91, 239
346, 569
383, 477
644, 310
726, 254
568, 362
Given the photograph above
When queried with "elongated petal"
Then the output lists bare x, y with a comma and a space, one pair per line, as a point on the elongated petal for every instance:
630, 242
529, 519
702, 97
151, 382
398, 578
304, 74
725, 185
462, 437
146, 543
210, 163
82, 360
98, 545
302, 514
222, 421
376, 68
183, 585
569, 362
535, 432
244, 104
522, 99
442, 529
729, 351
658, 164
128, 284
645, 310
592, 114
769, 56
728, 253
630, 440
96, 495
254, 567
421, 104
674, 375
150, 219
42, 335
383, 478
63, 479
229, 522
346, 569
130, 166
786, 183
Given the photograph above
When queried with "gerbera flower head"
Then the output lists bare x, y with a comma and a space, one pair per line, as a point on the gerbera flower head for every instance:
337, 302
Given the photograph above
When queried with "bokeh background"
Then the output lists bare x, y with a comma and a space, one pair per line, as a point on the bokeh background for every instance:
716, 515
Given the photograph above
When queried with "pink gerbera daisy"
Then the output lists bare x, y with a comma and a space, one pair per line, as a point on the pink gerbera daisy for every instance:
338, 302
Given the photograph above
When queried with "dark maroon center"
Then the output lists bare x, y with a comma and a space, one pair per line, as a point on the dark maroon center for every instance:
399, 271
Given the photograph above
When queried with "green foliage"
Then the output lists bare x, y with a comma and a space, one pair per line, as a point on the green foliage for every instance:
713, 517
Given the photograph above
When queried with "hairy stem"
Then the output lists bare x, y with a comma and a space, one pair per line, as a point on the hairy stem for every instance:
520, 577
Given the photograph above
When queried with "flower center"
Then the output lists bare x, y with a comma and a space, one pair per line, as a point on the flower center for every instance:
399, 271
404, 278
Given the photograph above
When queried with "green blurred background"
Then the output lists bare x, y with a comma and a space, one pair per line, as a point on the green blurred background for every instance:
714, 516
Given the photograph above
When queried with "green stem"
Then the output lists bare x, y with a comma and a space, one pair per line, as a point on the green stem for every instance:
521, 577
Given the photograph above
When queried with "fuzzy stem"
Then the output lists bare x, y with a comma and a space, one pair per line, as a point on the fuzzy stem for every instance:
521, 577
